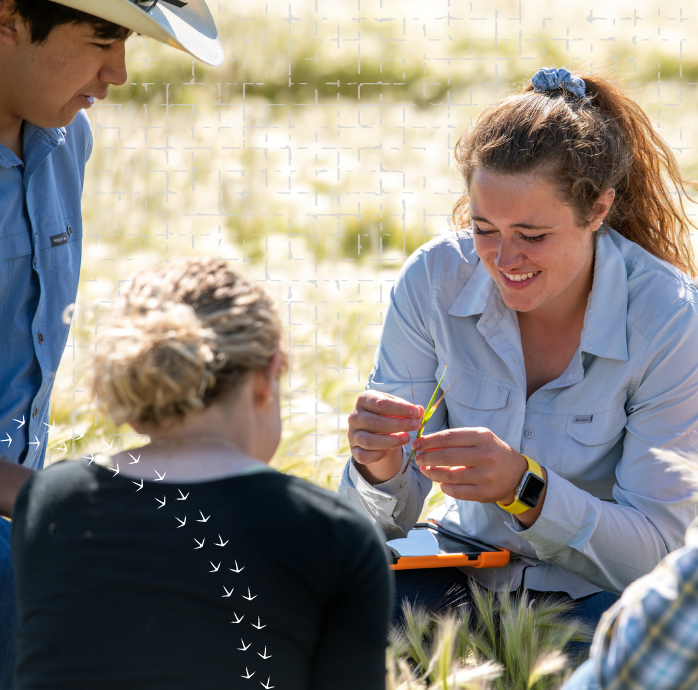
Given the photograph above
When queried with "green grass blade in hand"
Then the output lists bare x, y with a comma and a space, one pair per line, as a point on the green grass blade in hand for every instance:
431, 408
427, 416
433, 397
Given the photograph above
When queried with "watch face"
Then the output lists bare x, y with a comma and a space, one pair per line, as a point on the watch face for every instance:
531, 490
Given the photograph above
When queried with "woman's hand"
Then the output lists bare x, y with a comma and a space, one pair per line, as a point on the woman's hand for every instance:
378, 425
473, 464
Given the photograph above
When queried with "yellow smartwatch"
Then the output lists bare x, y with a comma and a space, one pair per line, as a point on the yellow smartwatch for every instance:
528, 493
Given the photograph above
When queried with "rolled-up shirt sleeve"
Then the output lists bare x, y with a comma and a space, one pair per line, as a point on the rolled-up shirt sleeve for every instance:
613, 544
395, 505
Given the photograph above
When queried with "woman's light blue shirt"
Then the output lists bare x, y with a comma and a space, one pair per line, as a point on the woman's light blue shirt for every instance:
612, 510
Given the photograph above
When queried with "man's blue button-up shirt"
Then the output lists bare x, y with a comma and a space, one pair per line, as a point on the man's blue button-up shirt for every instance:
40, 251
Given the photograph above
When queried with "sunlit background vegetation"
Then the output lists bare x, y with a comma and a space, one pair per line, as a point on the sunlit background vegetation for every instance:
316, 159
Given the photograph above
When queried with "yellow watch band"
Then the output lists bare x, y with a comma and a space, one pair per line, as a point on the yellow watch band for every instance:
517, 506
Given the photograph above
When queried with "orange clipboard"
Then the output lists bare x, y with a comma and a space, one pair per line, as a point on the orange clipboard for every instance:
451, 550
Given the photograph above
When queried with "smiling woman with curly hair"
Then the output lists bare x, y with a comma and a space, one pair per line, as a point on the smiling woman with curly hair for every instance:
564, 304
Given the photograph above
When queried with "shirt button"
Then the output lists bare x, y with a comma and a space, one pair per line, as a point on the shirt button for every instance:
34, 262
70, 229
402, 485
529, 433
40, 338
36, 412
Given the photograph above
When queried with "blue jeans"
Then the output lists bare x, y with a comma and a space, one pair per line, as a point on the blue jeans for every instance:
8, 609
440, 589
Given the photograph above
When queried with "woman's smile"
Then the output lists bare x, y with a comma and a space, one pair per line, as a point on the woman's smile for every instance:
530, 243
518, 281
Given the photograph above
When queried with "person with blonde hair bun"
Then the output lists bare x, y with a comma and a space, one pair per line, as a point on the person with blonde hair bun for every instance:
189, 562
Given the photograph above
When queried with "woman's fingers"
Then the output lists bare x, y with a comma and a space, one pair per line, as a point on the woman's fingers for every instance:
446, 457
367, 457
468, 483
474, 458
369, 441
380, 423
469, 437
388, 405
457, 474
368, 448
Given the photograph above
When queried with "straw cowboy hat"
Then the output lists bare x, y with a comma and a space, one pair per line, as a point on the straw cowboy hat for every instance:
184, 24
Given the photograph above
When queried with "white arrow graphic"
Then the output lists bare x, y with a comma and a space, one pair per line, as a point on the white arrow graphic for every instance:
91, 458
160, 476
243, 648
238, 620
265, 655
35, 443
116, 471
110, 445
267, 686
50, 427
134, 459
237, 569
249, 675
215, 567
184, 498
259, 625
162, 503
182, 522
249, 596
140, 486
8, 440
21, 424
64, 449
223, 543
200, 544
203, 518
227, 593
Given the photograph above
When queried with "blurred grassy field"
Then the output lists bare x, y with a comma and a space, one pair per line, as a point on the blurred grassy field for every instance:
316, 159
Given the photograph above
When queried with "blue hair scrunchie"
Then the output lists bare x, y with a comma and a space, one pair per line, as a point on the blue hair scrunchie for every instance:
549, 78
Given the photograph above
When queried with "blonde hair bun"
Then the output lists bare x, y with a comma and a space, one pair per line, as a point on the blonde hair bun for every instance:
181, 336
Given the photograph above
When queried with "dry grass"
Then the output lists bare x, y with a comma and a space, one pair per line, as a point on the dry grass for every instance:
499, 642
321, 201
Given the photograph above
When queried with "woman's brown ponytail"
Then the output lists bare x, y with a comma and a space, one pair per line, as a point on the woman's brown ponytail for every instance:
585, 147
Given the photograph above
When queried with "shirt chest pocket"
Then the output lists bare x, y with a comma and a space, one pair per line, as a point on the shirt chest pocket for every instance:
594, 444
61, 244
471, 401
597, 429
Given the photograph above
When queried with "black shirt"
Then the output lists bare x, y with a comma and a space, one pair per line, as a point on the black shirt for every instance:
115, 591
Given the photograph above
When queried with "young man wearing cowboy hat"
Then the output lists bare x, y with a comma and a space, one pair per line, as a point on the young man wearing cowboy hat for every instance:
56, 57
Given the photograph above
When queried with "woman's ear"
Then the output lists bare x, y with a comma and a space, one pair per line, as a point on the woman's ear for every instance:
603, 205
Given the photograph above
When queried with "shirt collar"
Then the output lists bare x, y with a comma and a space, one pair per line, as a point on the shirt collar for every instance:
605, 329
604, 333
8, 159
55, 136
475, 295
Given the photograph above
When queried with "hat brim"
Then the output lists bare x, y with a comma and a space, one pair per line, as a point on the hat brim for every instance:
190, 28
